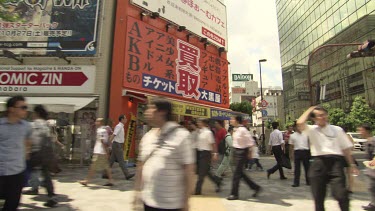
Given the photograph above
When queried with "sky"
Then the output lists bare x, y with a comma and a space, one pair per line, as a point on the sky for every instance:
253, 35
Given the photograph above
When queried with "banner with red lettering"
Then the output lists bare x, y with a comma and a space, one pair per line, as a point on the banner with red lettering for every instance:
160, 63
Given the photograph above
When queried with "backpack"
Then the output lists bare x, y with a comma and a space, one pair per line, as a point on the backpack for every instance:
223, 147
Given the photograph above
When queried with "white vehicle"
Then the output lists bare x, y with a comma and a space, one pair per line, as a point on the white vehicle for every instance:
359, 142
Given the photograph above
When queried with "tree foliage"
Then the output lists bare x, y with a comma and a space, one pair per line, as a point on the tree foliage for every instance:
243, 107
360, 112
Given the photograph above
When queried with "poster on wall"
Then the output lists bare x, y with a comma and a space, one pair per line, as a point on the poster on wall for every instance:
47, 79
206, 18
159, 63
40, 27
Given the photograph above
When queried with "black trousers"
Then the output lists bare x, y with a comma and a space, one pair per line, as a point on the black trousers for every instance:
10, 189
324, 170
301, 156
278, 153
240, 159
204, 164
148, 208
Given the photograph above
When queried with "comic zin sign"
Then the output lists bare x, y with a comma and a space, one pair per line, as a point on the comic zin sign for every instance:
159, 63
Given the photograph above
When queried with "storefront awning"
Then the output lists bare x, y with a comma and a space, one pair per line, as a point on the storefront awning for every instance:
55, 104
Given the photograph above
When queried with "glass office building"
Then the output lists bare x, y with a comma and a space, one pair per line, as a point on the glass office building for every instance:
304, 25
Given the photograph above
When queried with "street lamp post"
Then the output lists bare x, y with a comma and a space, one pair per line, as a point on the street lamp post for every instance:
261, 99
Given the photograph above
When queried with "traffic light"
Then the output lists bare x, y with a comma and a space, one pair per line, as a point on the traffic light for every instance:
367, 49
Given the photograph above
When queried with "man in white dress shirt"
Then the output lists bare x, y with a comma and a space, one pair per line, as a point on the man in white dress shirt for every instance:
328, 145
277, 146
300, 144
207, 151
117, 154
242, 145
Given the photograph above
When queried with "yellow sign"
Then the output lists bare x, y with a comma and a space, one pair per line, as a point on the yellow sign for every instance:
129, 136
186, 109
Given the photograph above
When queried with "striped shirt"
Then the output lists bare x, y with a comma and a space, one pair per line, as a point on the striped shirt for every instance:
164, 171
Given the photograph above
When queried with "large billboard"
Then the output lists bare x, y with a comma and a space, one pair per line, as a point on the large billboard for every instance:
46, 79
206, 18
159, 63
40, 27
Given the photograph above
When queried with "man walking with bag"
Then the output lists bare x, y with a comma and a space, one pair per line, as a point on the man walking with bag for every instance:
166, 162
117, 154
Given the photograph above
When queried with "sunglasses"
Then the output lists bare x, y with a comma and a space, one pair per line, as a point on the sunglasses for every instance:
22, 107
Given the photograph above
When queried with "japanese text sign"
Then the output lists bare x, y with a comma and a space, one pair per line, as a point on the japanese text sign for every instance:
159, 63
190, 110
206, 18
39, 27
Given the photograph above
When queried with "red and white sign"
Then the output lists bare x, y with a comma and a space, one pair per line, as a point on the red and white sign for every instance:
47, 79
206, 18
264, 103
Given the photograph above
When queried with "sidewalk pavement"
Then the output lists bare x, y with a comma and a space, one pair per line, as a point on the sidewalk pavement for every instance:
277, 194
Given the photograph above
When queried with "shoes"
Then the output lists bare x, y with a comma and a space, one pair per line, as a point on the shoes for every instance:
350, 192
232, 197
369, 207
104, 176
31, 192
50, 203
268, 175
283, 178
259, 190
83, 182
197, 193
295, 185
129, 176
108, 184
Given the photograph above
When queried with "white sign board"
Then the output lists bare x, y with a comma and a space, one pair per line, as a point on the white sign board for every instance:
206, 18
47, 79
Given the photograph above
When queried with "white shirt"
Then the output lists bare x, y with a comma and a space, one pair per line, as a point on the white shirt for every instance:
205, 139
163, 174
300, 141
330, 140
255, 152
276, 138
101, 135
242, 138
119, 133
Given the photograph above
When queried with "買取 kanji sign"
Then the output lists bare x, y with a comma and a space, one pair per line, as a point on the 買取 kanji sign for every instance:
159, 63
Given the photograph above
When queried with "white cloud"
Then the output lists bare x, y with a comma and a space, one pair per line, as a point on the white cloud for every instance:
253, 35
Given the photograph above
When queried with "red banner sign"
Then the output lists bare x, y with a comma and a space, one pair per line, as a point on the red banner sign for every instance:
159, 63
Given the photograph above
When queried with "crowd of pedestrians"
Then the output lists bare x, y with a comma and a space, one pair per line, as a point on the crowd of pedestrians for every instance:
170, 154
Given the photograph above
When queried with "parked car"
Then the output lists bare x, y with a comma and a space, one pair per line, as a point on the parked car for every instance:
359, 142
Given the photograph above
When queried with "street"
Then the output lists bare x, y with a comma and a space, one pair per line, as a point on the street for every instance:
277, 194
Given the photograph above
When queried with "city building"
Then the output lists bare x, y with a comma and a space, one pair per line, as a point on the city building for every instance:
304, 26
170, 49
59, 56
248, 91
273, 98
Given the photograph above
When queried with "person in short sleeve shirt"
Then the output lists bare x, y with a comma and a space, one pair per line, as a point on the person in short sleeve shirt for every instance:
15, 143
328, 144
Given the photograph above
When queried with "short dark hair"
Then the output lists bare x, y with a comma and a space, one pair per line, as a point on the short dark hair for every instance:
163, 104
41, 112
275, 125
121, 117
193, 122
230, 129
13, 101
320, 108
204, 121
367, 127
239, 119
220, 122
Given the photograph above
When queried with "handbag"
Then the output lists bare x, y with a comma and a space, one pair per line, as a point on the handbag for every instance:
285, 162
